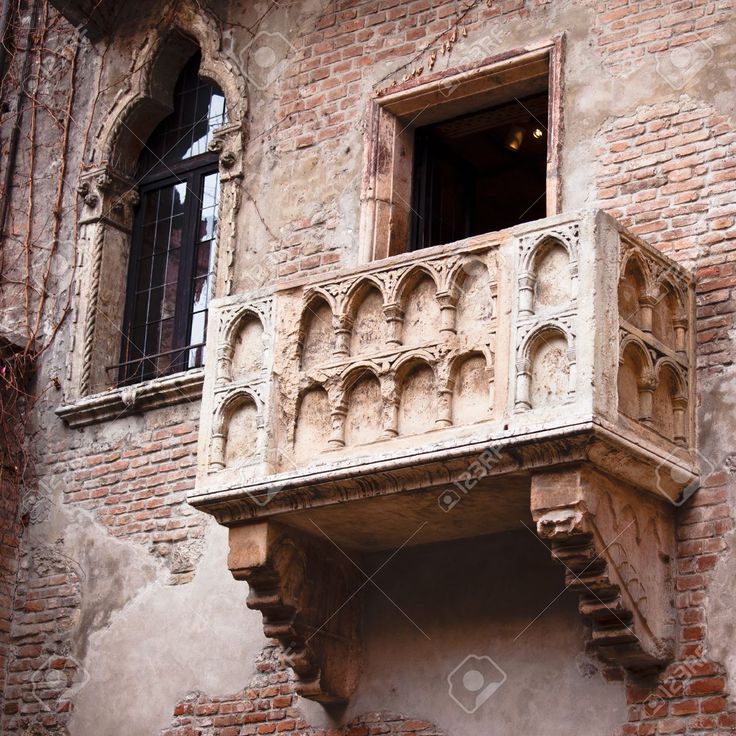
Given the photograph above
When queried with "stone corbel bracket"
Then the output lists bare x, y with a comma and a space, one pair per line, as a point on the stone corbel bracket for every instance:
310, 599
617, 547
228, 142
108, 197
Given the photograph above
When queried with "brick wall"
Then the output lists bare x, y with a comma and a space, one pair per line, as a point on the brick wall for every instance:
10, 531
136, 488
322, 97
627, 30
268, 706
43, 669
668, 171
690, 696
15, 506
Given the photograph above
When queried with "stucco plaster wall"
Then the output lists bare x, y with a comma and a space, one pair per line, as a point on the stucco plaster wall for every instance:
166, 642
718, 429
431, 607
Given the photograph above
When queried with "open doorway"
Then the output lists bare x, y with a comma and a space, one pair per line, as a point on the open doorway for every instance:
480, 172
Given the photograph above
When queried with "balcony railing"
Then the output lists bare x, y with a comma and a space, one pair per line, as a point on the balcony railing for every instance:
541, 372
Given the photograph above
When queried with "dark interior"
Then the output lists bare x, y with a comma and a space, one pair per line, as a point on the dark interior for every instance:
480, 172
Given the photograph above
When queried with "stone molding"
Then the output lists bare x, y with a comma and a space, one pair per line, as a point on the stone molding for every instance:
442, 466
121, 402
147, 86
395, 110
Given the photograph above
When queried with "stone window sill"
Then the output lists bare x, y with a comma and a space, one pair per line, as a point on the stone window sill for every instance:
119, 402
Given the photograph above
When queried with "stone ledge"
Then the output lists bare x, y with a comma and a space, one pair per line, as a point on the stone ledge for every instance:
121, 402
590, 441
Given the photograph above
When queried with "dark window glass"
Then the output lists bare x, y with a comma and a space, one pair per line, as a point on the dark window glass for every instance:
199, 108
175, 232
480, 172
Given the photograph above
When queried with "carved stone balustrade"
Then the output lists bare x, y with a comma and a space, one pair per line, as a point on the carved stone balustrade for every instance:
544, 372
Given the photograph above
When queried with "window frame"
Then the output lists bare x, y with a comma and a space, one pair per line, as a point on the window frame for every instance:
386, 192
192, 172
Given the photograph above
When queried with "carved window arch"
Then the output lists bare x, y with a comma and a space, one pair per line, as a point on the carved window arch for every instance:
171, 268
110, 197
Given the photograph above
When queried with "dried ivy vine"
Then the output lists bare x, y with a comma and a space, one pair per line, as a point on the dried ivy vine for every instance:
40, 55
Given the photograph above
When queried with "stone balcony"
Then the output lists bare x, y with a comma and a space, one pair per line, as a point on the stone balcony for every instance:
542, 373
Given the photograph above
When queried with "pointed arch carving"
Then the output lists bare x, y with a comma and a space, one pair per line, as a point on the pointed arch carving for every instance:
417, 408
242, 398
364, 326
671, 401
560, 286
470, 384
317, 330
546, 358
147, 97
410, 278
357, 292
361, 395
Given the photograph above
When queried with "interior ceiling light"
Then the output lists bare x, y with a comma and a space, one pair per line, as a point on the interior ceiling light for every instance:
514, 138
537, 133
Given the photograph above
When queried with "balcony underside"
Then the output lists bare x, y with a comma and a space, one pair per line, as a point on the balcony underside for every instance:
439, 514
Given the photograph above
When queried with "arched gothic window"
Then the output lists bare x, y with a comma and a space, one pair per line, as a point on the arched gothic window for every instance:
171, 271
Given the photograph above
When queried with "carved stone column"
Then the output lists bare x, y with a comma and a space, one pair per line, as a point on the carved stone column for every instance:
108, 202
572, 378
647, 303
527, 282
679, 409
337, 436
444, 409
647, 387
395, 318
490, 376
309, 596
343, 330
390, 403
680, 325
574, 279
448, 312
617, 547
228, 142
224, 364
217, 450
523, 384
